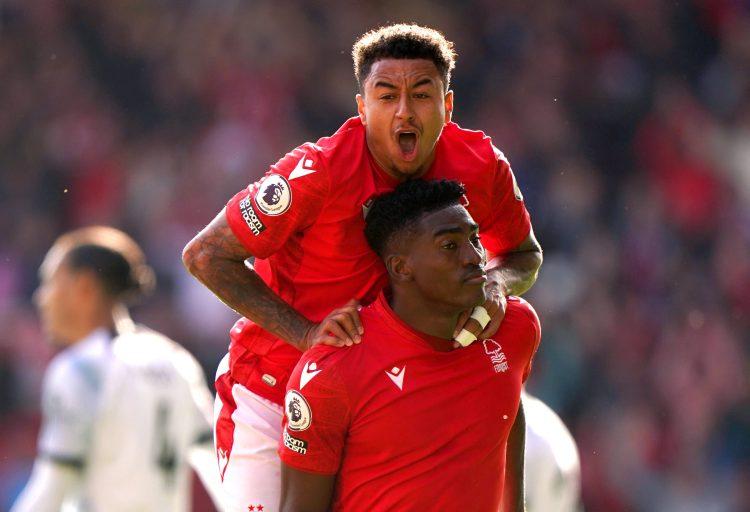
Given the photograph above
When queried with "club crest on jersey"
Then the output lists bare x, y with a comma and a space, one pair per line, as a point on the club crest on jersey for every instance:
274, 195
298, 413
499, 362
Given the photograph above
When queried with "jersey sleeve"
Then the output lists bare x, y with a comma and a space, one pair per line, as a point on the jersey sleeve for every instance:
510, 222
287, 199
69, 402
316, 417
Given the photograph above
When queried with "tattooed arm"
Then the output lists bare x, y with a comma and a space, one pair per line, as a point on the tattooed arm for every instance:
217, 259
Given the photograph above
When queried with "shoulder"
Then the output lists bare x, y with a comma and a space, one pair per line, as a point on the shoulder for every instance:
333, 361
72, 382
474, 143
340, 366
328, 150
75, 371
467, 136
146, 347
315, 165
521, 314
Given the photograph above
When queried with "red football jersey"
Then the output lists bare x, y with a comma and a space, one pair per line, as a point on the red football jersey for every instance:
405, 426
304, 223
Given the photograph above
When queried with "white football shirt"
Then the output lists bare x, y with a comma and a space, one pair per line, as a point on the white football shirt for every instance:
125, 411
552, 471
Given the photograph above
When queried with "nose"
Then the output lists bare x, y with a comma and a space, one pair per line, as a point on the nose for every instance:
473, 254
405, 110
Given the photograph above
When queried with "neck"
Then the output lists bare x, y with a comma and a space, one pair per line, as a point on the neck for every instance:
433, 319
101, 317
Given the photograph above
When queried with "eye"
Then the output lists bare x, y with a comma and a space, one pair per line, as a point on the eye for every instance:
387, 97
448, 245
421, 95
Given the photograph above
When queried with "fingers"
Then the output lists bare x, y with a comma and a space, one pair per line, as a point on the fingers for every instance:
328, 339
347, 318
496, 319
341, 328
352, 307
334, 326
495, 308
461, 324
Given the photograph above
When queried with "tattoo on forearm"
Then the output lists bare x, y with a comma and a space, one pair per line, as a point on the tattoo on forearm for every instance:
218, 263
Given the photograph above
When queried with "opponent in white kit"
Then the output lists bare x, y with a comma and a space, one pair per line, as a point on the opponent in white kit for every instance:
553, 468
125, 409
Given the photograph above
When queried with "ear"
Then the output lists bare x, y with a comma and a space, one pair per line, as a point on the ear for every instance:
361, 108
399, 268
448, 101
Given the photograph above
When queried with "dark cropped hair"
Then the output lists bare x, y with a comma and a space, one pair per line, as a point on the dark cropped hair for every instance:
403, 41
397, 212
113, 257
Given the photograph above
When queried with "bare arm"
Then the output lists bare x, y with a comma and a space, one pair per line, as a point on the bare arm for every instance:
217, 259
516, 271
305, 492
513, 493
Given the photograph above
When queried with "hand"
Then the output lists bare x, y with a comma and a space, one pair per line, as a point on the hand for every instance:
341, 328
495, 306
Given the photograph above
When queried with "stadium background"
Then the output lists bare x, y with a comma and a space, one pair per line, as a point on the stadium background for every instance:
627, 123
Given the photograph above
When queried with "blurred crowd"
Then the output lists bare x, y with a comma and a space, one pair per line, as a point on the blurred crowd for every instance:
627, 123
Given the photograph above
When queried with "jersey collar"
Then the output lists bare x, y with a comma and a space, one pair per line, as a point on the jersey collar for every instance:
408, 333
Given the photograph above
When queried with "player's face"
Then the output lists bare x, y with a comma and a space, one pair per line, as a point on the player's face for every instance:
447, 259
56, 299
404, 108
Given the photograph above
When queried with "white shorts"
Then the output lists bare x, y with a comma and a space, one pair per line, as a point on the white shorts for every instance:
247, 429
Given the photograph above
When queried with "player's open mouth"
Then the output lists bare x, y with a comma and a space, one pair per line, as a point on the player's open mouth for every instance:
407, 143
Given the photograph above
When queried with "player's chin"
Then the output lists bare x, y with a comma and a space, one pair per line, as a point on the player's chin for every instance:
472, 295
408, 168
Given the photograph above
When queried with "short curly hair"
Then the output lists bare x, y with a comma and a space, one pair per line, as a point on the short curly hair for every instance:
403, 41
397, 213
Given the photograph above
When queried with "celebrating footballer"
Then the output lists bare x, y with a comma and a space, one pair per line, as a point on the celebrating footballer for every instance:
304, 221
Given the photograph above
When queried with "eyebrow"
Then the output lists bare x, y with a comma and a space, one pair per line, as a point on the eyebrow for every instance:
388, 85
424, 81
473, 227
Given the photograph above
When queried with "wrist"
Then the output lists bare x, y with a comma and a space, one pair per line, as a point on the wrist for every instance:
304, 342
496, 281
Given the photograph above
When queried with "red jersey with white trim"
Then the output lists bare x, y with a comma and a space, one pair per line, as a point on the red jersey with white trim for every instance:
404, 426
304, 223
